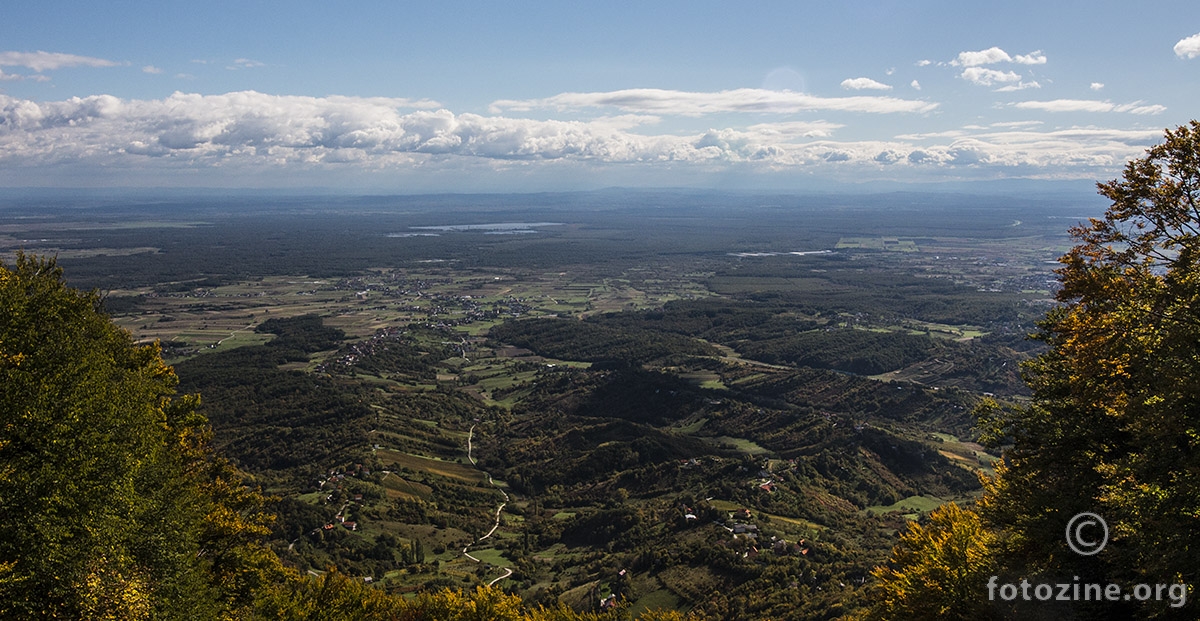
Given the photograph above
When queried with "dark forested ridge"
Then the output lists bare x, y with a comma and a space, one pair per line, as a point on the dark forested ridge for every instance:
266, 418
779, 333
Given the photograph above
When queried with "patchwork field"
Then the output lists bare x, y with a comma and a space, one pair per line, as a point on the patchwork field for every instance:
451, 470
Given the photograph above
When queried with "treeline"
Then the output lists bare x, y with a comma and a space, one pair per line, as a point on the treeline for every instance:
722, 320
881, 292
855, 351
803, 333
111, 502
568, 339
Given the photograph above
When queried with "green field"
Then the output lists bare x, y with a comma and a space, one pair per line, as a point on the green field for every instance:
491, 556
740, 444
910, 506
398, 486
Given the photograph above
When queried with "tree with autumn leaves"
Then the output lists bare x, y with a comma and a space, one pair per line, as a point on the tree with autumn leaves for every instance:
1113, 426
934, 569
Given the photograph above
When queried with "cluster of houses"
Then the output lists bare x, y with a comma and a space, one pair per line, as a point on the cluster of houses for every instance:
777, 546
766, 476
477, 311
740, 527
366, 348
396, 285
198, 292
393, 284
336, 476
341, 519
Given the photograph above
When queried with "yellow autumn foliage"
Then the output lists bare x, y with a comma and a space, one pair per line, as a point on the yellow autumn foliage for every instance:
937, 571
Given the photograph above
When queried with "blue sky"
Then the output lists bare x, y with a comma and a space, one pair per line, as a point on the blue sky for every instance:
466, 96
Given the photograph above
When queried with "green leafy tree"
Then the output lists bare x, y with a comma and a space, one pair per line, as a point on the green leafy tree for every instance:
111, 504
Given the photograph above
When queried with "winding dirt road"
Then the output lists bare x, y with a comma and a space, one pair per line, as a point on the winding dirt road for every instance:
507, 571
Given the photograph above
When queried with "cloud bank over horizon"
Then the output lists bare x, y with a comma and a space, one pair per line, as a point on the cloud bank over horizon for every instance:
266, 132
580, 95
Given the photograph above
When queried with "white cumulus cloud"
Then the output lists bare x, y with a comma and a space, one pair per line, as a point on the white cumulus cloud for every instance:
1033, 58
151, 69
288, 129
974, 71
990, 56
994, 55
916, 85
1188, 47
987, 77
859, 84
1096, 86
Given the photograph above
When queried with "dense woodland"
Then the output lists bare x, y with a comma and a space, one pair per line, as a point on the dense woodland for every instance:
271, 419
